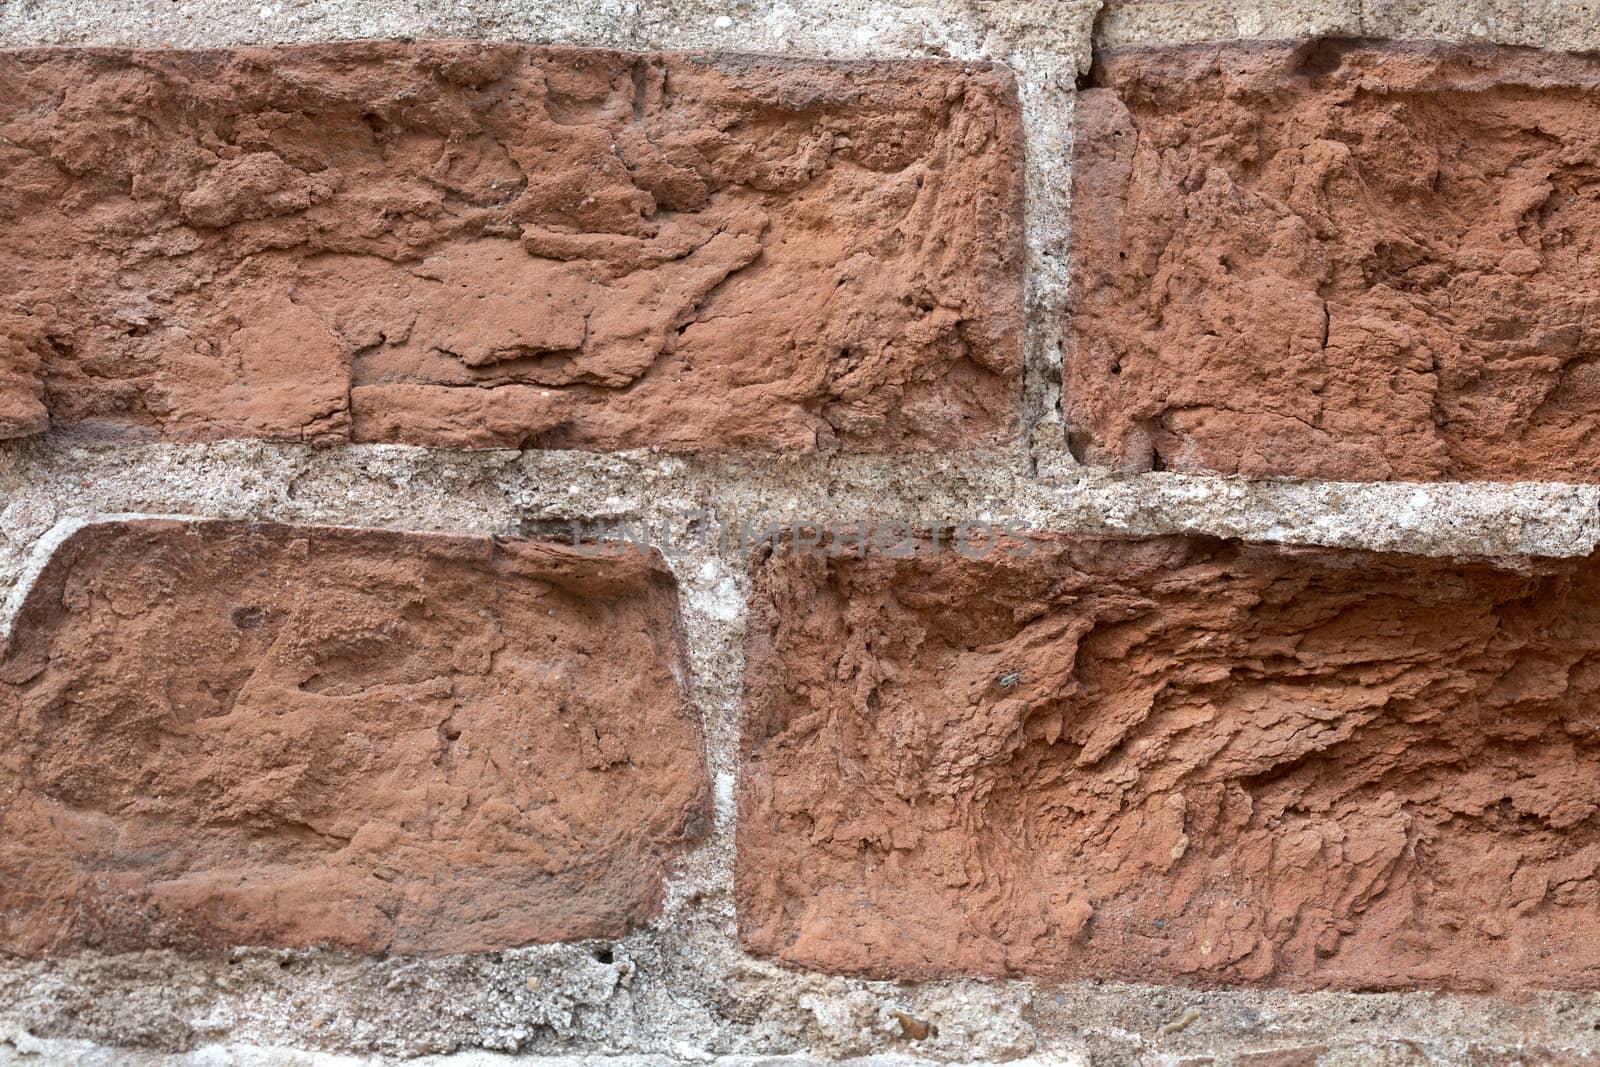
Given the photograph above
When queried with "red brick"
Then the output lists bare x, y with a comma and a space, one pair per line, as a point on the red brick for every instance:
474, 245
229, 734
22, 410
1338, 260
1175, 760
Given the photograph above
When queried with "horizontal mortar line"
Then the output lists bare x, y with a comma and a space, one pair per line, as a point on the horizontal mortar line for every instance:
1419, 1015
860, 30
406, 487
849, 29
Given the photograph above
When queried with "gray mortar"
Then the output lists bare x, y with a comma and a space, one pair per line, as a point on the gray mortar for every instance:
682, 990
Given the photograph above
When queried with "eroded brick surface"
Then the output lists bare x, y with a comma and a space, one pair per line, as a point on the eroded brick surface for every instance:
227, 734
1340, 260
1175, 760
22, 410
496, 245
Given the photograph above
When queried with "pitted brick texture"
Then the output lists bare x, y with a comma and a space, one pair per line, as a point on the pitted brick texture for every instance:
1356, 261
494, 245
1175, 760
229, 734
22, 410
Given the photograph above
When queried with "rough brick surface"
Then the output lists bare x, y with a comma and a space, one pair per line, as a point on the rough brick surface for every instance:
1339, 260
1175, 760
22, 410
497, 245
225, 734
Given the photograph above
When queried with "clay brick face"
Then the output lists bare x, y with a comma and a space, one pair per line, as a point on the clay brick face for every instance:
1338, 260
497, 245
22, 410
1175, 760
224, 734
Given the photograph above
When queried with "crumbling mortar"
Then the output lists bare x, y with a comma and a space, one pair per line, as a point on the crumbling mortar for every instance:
683, 989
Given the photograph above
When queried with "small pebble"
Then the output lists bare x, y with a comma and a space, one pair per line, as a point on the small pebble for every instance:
911, 1027
1183, 1022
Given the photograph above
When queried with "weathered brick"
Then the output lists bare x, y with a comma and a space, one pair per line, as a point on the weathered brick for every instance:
498, 245
1175, 759
1341, 260
22, 410
222, 734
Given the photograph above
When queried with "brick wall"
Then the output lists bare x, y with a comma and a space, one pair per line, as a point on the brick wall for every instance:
902, 530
